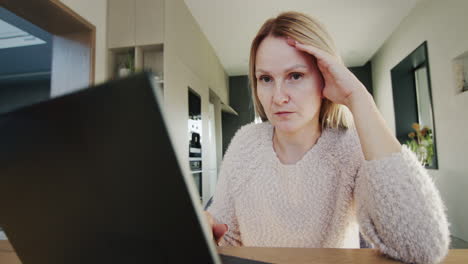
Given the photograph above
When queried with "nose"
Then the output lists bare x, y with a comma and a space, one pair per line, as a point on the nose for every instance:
280, 96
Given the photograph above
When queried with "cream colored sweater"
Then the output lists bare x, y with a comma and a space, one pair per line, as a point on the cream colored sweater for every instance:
322, 199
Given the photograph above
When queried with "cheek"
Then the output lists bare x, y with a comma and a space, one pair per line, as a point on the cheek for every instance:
308, 96
263, 97
311, 89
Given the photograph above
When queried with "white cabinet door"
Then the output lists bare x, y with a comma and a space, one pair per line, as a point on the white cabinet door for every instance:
149, 22
121, 23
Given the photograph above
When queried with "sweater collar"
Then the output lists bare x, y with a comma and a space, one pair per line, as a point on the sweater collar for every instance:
316, 149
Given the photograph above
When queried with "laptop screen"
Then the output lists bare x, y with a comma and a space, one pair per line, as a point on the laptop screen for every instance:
92, 176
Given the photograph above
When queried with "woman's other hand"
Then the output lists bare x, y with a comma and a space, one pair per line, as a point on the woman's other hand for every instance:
218, 229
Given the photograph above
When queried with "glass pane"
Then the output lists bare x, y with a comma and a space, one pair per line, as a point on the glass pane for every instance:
423, 98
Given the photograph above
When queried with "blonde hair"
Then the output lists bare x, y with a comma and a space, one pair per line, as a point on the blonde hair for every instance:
306, 30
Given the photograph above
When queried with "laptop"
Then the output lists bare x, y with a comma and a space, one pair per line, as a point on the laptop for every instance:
92, 177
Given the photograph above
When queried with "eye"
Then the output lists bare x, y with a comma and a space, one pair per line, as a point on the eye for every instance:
296, 76
265, 78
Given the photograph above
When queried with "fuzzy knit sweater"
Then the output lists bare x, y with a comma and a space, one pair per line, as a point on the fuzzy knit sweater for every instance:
327, 197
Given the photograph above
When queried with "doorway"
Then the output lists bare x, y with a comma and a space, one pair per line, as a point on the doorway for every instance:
72, 39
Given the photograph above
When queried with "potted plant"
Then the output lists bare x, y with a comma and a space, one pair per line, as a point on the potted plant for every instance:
127, 66
421, 143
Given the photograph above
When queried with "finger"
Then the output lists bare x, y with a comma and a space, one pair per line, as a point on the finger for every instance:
316, 52
324, 60
219, 230
325, 74
291, 41
322, 68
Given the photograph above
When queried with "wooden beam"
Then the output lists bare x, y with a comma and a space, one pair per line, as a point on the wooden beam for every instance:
58, 19
50, 15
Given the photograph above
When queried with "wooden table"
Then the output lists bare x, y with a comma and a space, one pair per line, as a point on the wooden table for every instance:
7, 253
325, 255
286, 255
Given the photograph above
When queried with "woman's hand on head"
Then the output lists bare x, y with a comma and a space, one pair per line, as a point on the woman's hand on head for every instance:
218, 229
339, 82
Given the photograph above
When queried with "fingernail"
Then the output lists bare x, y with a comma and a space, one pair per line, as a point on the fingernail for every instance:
291, 41
227, 227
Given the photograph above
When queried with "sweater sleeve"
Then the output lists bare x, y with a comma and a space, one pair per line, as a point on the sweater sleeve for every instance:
399, 209
223, 206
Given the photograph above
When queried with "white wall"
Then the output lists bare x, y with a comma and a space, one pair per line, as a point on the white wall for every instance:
185, 38
95, 11
176, 108
189, 61
443, 24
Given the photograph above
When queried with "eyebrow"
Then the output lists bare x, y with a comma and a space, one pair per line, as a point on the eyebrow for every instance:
287, 70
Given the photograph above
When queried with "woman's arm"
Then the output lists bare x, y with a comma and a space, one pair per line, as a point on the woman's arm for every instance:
376, 139
399, 209
223, 208
398, 206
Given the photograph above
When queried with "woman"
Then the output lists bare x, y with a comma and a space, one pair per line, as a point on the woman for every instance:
323, 162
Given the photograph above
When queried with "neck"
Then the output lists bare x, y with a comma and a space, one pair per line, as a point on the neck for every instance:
291, 146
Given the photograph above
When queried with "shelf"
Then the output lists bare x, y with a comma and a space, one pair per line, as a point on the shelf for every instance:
150, 58
147, 57
119, 57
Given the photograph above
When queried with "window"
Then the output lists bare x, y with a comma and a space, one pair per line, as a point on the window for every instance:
412, 97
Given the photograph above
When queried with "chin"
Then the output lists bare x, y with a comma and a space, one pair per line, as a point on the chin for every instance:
286, 126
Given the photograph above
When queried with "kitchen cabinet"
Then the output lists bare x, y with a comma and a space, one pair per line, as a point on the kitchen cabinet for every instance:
149, 28
135, 23
121, 23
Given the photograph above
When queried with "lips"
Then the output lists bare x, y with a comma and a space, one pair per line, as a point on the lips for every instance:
283, 113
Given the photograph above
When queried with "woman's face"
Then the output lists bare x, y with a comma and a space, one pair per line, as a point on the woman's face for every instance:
289, 84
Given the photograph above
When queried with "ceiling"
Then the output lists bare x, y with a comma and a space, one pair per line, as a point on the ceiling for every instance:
359, 27
24, 47
12, 37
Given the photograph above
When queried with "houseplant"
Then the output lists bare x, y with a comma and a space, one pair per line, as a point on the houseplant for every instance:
127, 66
421, 143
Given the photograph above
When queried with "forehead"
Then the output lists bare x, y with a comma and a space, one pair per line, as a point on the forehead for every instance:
275, 54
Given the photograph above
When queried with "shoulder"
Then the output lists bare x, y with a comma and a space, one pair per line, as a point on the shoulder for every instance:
344, 145
252, 129
250, 135
343, 138
248, 147
244, 153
